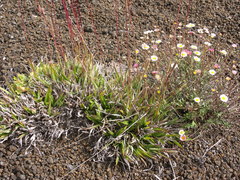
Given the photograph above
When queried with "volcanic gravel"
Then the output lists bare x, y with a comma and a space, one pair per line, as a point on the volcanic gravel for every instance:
215, 152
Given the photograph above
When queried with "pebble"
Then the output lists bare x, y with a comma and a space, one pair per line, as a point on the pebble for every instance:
50, 160
12, 148
22, 177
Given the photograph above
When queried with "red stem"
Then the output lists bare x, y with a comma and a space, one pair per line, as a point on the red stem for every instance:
69, 22
117, 25
76, 11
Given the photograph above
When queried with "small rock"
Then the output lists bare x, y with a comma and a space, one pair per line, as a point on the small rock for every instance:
88, 29
218, 163
50, 160
34, 169
12, 148
13, 177
22, 176
70, 167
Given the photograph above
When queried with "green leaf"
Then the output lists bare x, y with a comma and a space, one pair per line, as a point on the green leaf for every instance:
143, 153
4, 132
48, 100
157, 134
192, 125
29, 110
121, 131
60, 101
177, 143
125, 122
53, 73
94, 118
37, 96
117, 160
4, 90
109, 132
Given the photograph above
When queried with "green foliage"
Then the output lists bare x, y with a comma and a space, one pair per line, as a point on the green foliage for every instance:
135, 115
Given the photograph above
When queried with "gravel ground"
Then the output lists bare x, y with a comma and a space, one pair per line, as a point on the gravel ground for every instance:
214, 154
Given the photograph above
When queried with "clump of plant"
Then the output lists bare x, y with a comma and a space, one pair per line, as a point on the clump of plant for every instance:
171, 86
44, 103
134, 114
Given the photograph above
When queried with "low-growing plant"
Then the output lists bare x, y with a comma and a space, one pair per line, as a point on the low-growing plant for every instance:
133, 114
173, 85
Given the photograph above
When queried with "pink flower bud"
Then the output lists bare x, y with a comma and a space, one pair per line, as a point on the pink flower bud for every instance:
187, 51
234, 72
135, 65
212, 50
155, 72
216, 66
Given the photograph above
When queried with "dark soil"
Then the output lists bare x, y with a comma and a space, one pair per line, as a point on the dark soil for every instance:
214, 154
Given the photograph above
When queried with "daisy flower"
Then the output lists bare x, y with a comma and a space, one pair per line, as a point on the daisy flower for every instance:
154, 58
224, 52
193, 47
234, 72
136, 51
212, 35
197, 99
200, 31
183, 138
180, 45
181, 132
234, 45
207, 43
196, 58
158, 41
158, 77
145, 46
212, 72
198, 71
184, 54
190, 25
206, 30
223, 98
198, 53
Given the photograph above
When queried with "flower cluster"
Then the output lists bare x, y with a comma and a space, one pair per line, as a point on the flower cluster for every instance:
183, 137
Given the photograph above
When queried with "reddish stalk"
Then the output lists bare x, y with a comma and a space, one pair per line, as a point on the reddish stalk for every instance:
117, 25
69, 22
127, 30
55, 30
51, 27
77, 18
